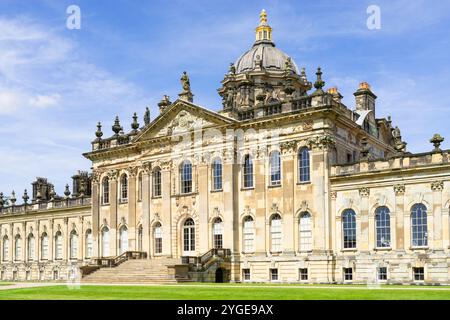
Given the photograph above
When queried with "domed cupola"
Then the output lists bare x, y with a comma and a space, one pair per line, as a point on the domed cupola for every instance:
262, 76
263, 54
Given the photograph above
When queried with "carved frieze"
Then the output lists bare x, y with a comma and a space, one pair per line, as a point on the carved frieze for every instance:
364, 192
437, 185
399, 189
288, 147
113, 175
323, 142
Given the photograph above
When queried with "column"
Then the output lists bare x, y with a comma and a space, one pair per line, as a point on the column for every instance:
288, 185
363, 241
400, 217
113, 199
132, 198
203, 194
96, 200
437, 217
146, 196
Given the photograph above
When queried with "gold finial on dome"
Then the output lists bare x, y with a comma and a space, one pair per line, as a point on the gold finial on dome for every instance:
263, 31
263, 17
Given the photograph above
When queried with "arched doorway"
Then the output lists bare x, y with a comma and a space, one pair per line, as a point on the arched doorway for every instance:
189, 237
219, 275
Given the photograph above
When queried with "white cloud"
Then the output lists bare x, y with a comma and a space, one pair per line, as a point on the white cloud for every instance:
45, 101
50, 101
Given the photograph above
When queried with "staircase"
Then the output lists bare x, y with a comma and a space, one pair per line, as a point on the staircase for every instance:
137, 271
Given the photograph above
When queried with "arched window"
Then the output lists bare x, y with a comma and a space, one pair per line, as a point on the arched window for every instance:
105, 191
276, 233
157, 182
249, 234
248, 172
275, 169
89, 244
105, 242
419, 227
5, 248
303, 165
140, 185
189, 236
73, 245
349, 228
30, 245
18, 248
186, 177
383, 227
58, 245
157, 233
44, 246
123, 243
305, 232
218, 233
124, 188
217, 174
140, 236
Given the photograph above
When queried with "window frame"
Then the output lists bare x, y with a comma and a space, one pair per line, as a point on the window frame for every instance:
59, 246
305, 246
73, 245
383, 227
31, 252
217, 230
304, 166
217, 175
276, 233
419, 226
124, 188
185, 174
275, 169
247, 173
248, 234
157, 238
105, 191
44, 246
156, 182
349, 228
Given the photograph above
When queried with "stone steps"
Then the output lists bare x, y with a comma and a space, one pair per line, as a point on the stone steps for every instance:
137, 271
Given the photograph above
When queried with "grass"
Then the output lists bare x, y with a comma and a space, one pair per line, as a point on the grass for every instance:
222, 292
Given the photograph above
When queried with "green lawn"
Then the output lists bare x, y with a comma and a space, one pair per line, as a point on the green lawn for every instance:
222, 292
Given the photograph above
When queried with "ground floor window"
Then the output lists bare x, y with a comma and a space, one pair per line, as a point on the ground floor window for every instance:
419, 274
382, 273
303, 274
55, 274
273, 274
348, 274
28, 276
246, 274
14, 275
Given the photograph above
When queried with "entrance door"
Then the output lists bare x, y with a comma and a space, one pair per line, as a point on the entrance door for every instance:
189, 238
219, 275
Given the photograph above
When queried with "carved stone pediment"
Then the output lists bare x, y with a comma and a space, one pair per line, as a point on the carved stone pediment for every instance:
182, 117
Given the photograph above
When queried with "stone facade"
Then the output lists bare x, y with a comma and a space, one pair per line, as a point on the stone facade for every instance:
299, 188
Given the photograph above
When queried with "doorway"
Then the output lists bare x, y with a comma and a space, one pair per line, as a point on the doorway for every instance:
219, 275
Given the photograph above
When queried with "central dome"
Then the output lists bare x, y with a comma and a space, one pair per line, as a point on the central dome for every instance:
266, 55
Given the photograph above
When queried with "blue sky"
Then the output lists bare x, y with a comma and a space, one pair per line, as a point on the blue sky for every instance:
55, 83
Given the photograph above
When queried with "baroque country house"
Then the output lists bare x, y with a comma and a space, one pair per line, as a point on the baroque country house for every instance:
285, 183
